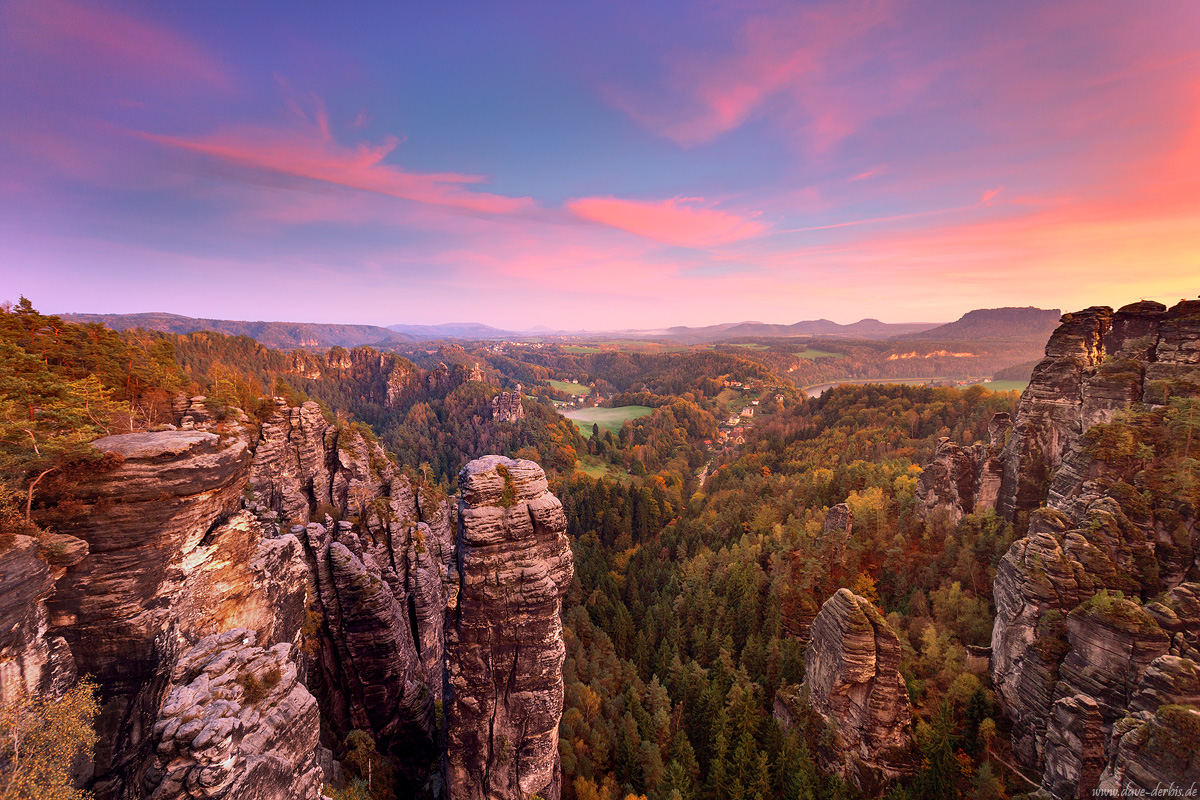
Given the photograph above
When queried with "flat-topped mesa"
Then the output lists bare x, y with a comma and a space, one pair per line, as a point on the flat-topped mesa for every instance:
504, 643
854, 685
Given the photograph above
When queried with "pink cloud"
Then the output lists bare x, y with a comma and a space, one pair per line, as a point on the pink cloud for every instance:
88, 35
677, 221
313, 155
789, 52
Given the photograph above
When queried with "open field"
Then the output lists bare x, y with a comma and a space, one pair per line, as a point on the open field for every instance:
580, 348
749, 345
810, 353
595, 468
609, 419
1006, 386
573, 388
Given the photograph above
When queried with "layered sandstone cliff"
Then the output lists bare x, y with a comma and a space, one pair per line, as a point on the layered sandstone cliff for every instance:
853, 681
504, 644
1094, 638
246, 594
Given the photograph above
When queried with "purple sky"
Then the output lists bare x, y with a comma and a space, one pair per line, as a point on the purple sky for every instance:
597, 165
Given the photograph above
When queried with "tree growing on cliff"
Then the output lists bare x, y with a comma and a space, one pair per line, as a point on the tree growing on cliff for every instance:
46, 421
40, 740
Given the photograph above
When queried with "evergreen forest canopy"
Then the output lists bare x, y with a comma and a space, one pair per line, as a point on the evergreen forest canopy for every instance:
680, 624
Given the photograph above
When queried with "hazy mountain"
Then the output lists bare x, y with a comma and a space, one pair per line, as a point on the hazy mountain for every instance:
453, 330
284, 335
863, 329
996, 323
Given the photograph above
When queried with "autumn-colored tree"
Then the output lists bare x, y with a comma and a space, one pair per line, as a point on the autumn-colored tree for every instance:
40, 740
46, 420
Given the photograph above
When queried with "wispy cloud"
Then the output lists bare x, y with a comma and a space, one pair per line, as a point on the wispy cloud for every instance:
102, 38
311, 153
685, 222
788, 52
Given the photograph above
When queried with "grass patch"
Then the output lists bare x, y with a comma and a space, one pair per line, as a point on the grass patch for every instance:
580, 348
609, 419
810, 354
572, 388
595, 468
1005, 386
750, 345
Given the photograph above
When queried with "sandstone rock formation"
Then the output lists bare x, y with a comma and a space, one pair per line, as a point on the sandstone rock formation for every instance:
149, 525
504, 645
379, 577
236, 723
192, 537
506, 407
964, 480
854, 685
1078, 667
32, 659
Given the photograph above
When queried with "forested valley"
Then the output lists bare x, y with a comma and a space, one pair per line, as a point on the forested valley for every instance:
698, 569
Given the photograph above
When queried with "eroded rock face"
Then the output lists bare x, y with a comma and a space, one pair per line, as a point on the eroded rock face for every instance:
1158, 744
189, 538
32, 659
854, 685
379, 578
116, 607
504, 645
236, 723
506, 407
1072, 660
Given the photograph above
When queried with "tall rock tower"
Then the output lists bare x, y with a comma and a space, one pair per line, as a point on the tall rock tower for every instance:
504, 642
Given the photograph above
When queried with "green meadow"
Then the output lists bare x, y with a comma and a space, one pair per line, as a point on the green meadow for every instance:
609, 419
573, 388
810, 353
1006, 386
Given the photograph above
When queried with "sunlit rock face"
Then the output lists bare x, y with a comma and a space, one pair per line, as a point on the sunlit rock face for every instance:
854, 685
1091, 679
504, 639
236, 722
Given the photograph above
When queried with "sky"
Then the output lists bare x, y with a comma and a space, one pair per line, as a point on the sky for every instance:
598, 165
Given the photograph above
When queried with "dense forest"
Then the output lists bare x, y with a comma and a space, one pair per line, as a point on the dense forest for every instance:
680, 637
681, 625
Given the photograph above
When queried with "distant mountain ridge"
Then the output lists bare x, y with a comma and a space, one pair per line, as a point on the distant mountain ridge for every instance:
1025, 322
980, 324
281, 335
863, 329
455, 330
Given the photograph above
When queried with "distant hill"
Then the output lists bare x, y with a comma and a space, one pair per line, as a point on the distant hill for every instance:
454, 330
281, 335
863, 329
995, 323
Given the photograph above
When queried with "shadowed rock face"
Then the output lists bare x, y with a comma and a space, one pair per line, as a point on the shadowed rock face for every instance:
184, 541
144, 523
1085, 677
504, 645
378, 584
32, 659
854, 685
